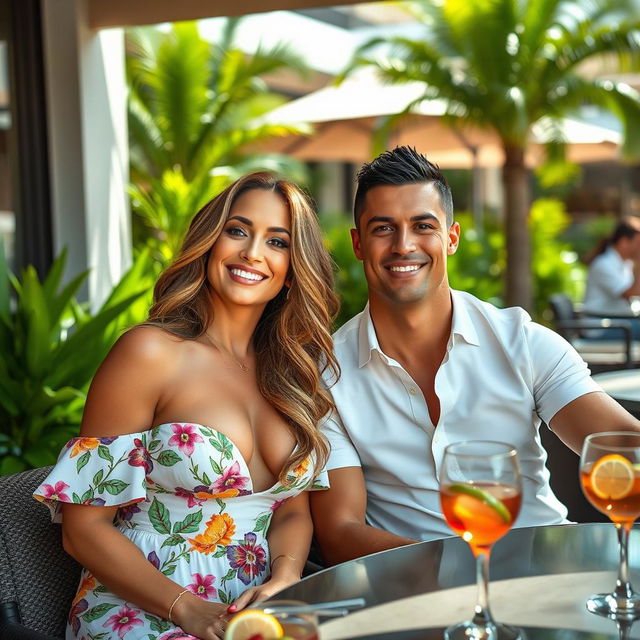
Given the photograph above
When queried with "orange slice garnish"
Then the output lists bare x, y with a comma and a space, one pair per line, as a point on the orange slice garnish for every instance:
612, 477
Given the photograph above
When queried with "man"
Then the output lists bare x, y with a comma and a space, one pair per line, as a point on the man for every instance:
424, 366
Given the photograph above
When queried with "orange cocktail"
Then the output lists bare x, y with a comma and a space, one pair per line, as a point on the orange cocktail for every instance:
480, 512
612, 485
480, 495
610, 479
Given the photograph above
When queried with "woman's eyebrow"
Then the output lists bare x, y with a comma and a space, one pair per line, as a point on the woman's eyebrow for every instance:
249, 223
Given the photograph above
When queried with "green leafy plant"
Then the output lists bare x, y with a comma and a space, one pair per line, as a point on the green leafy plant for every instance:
51, 347
196, 123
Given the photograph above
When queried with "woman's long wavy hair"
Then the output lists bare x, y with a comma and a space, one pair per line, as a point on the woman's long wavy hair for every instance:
292, 340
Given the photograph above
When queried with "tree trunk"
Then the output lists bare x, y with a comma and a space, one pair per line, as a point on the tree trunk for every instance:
517, 202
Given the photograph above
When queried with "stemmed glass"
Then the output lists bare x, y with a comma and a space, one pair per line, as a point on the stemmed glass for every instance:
480, 493
610, 479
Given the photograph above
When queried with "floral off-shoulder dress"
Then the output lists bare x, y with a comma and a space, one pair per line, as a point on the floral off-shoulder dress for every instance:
185, 499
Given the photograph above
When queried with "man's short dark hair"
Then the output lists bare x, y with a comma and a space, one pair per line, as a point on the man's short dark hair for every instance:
400, 166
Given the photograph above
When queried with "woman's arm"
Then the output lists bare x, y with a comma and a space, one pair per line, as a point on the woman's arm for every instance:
122, 399
289, 540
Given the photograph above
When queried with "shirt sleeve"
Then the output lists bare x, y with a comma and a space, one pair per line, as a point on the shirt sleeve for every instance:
560, 375
343, 453
610, 278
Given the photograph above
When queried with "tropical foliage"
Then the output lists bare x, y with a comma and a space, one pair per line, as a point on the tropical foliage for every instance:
51, 347
505, 64
194, 112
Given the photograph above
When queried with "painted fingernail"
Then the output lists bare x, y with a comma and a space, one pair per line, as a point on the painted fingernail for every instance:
232, 608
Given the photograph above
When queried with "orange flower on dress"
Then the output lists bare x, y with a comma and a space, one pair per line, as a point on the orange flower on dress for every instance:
88, 583
219, 530
301, 469
83, 444
205, 495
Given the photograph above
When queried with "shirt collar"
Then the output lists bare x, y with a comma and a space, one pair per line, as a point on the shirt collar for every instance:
461, 325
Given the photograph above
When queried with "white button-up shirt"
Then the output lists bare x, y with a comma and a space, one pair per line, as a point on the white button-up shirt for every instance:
501, 374
609, 277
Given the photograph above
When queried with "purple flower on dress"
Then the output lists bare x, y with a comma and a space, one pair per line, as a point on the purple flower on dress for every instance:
249, 558
127, 512
184, 438
154, 560
124, 620
139, 456
74, 620
202, 586
56, 492
231, 479
107, 440
192, 501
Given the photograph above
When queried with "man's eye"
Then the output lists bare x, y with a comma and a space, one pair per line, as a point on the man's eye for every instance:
382, 228
423, 226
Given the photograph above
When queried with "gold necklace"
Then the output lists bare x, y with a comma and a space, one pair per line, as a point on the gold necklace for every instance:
210, 340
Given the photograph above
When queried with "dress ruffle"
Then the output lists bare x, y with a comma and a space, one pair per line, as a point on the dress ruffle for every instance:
82, 474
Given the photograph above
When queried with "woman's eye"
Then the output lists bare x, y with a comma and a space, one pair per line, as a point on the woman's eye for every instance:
278, 242
235, 231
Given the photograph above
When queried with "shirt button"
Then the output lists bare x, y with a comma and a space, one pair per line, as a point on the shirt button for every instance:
412, 390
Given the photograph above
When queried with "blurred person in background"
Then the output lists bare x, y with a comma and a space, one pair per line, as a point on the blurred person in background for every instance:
614, 276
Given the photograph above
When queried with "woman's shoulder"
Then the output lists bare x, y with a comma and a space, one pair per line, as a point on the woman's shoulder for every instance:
147, 343
133, 378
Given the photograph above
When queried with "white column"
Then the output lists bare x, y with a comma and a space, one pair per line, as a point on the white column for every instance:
86, 101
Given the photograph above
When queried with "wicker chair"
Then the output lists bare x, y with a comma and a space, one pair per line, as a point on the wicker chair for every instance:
37, 578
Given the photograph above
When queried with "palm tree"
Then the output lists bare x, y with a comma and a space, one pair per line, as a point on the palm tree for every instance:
503, 65
193, 116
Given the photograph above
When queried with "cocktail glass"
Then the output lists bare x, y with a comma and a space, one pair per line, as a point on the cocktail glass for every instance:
610, 479
480, 494
297, 626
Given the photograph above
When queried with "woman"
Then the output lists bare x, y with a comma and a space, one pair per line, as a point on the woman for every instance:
209, 504
614, 278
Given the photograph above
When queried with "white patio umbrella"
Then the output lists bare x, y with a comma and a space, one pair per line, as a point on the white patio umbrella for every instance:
345, 117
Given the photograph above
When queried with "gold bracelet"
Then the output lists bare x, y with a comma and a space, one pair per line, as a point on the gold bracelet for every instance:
281, 555
173, 604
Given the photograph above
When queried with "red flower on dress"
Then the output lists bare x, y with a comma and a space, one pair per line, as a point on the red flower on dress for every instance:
56, 492
192, 500
202, 586
123, 621
231, 479
139, 456
184, 438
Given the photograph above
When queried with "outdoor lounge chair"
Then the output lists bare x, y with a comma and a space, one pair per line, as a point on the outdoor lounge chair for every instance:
38, 579
616, 353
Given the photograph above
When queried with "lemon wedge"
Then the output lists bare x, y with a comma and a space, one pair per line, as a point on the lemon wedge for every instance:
252, 622
484, 497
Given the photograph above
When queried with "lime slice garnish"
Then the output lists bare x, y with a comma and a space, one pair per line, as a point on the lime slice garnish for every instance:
485, 497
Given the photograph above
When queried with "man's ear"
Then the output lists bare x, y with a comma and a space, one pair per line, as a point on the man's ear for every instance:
355, 241
453, 238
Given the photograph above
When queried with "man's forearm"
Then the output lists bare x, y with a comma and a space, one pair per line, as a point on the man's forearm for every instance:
355, 539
